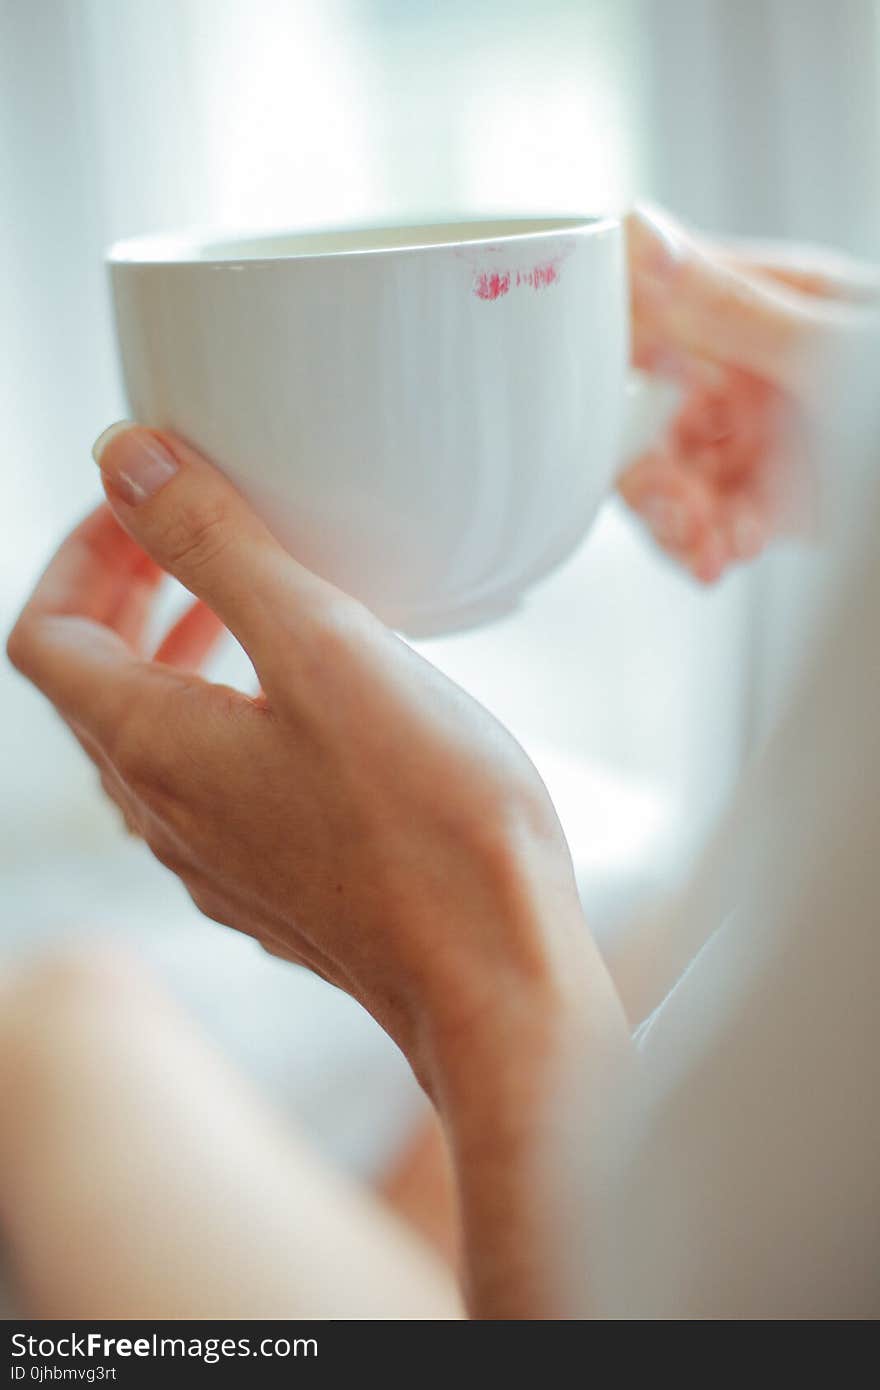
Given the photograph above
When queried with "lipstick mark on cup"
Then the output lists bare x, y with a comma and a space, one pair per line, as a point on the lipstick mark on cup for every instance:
540, 276
491, 283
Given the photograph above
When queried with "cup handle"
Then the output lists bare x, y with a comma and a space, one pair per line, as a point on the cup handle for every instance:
650, 403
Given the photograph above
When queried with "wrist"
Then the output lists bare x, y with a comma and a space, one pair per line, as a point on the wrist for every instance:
514, 1046
512, 1095
495, 1064
499, 996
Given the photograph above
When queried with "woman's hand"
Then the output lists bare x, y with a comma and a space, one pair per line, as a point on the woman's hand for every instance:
362, 816
744, 330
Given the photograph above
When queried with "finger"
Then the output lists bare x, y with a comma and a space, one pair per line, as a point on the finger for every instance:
811, 270
674, 504
726, 437
135, 601
681, 511
190, 641
709, 560
99, 581
705, 561
706, 419
695, 303
85, 669
93, 571
193, 522
114, 701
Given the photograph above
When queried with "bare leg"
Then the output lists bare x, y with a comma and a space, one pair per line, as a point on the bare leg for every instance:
140, 1177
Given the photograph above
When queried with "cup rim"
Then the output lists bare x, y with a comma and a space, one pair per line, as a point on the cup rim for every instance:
189, 247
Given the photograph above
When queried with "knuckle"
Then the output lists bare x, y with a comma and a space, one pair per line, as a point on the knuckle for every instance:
110, 786
209, 904
143, 748
280, 951
131, 748
18, 645
197, 536
169, 856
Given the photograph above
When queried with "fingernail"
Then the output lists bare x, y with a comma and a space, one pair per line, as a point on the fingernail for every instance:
138, 465
109, 433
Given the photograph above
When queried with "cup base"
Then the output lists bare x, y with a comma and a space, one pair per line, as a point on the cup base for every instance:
420, 626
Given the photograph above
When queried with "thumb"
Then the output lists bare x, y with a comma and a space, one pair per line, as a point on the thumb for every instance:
687, 301
190, 519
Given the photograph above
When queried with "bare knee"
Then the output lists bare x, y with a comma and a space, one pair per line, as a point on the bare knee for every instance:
54, 990
58, 1016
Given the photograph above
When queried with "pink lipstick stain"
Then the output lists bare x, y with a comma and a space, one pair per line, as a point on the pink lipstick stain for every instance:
489, 284
494, 284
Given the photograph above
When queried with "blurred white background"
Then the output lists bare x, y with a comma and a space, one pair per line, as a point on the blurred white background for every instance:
637, 694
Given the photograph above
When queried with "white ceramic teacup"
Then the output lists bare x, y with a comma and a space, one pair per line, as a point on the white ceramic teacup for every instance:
430, 417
